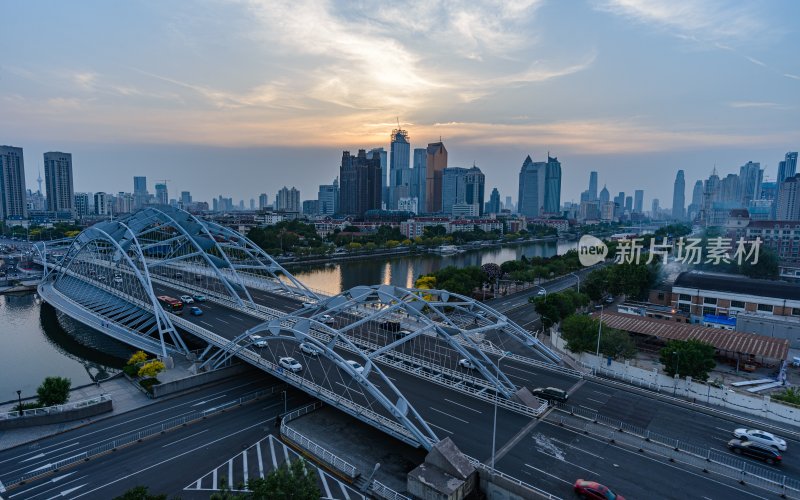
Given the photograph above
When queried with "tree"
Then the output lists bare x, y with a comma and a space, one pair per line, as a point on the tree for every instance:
580, 332
140, 493
54, 391
765, 268
692, 358
151, 369
137, 357
296, 481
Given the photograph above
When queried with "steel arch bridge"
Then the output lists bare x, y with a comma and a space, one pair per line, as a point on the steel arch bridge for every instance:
111, 275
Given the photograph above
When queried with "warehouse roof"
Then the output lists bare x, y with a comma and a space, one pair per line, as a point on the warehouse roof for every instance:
731, 283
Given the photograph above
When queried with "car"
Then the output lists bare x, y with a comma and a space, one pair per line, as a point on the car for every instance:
178, 275
101, 278
199, 298
355, 366
308, 304
392, 326
761, 437
117, 279
755, 450
196, 311
402, 333
465, 363
258, 340
309, 349
551, 393
187, 299
327, 319
609, 299
541, 292
593, 489
290, 364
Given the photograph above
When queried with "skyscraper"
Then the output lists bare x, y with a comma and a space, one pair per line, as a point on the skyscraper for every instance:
81, 205
162, 196
789, 199
750, 178
638, 201
360, 183
552, 186
435, 163
186, 198
655, 209
418, 186
493, 205
604, 197
263, 201
788, 167
679, 197
592, 186
399, 166
140, 194
462, 191
629, 204
102, 203
531, 188
288, 200
380, 153
58, 179
13, 200
328, 198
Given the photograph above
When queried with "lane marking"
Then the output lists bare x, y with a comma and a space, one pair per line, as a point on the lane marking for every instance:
222, 320
596, 400
586, 407
567, 462
463, 406
447, 414
183, 439
207, 400
441, 428
547, 473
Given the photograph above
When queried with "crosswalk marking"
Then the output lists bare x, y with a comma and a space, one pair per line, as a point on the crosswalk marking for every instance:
260, 461
244, 466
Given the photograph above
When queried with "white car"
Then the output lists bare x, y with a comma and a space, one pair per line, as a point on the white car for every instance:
117, 279
290, 364
465, 363
355, 366
309, 349
258, 340
187, 299
541, 292
760, 437
327, 319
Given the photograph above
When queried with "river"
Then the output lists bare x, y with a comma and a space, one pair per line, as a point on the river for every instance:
36, 344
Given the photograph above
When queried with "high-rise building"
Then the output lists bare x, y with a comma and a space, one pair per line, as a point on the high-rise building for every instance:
140, 194
123, 203
263, 201
592, 186
13, 198
328, 198
399, 166
310, 207
102, 204
679, 197
638, 201
619, 204
493, 205
604, 196
788, 167
697, 199
531, 188
186, 198
629, 204
162, 196
81, 205
381, 154
58, 179
435, 163
509, 205
360, 183
655, 209
288, 200
750, 178
252, 203
462, 191
418, 186
789, 199
552, 186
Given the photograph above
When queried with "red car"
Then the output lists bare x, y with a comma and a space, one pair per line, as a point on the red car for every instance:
591, 489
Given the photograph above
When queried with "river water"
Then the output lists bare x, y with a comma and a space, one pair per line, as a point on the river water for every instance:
35, 344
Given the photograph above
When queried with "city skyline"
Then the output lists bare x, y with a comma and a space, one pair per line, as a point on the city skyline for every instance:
593, 107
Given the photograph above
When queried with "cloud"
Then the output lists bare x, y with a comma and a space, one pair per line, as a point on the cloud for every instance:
793, 77
755, 104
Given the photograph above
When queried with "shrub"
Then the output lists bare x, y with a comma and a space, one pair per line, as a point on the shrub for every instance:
54, 391
148, 384
151, 369
131, 370
137, 357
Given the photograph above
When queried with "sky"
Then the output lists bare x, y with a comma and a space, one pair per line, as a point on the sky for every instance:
240, 97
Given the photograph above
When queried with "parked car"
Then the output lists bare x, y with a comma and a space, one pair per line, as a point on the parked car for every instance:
309, 349
199, 298
187, 299
290, 364
327, 319
593, 489
258, 340
355, 366
755, 450
551, 393
465, 363
196, 311
761, 437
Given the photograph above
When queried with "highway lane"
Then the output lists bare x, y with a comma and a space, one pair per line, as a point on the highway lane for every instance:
28, 457
553, 457
165, 463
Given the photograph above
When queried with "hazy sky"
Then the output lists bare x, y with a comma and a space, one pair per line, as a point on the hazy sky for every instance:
241, 97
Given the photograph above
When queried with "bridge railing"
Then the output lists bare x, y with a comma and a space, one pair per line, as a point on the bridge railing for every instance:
320, 452
382, 491
49, 410
494, 472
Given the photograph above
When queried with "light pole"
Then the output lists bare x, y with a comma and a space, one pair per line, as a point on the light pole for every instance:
19, 397
496, 396
599, 332
677, 358
579, 281
284, 401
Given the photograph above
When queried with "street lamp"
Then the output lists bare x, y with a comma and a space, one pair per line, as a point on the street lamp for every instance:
496, 396
677, 358
599, 332
19, 397
579, 281
284, 401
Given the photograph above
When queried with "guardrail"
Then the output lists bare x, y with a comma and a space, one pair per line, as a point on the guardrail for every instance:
140, 435
480, 465
318, 451
49, 410
301, 411
383, 491
705, 458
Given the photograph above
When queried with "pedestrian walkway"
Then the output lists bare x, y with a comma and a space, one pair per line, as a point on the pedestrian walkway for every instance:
259, 460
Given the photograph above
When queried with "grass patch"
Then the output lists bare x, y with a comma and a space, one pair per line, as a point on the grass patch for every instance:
148, 383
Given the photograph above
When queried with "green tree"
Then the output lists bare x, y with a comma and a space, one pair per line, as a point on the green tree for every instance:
151, 369
296, 481
140, 493
54, 391
765, 268
137, 357
580, 332
692, 358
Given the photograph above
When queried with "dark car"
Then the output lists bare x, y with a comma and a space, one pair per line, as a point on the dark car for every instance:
551, 393
755, 450
593, 489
